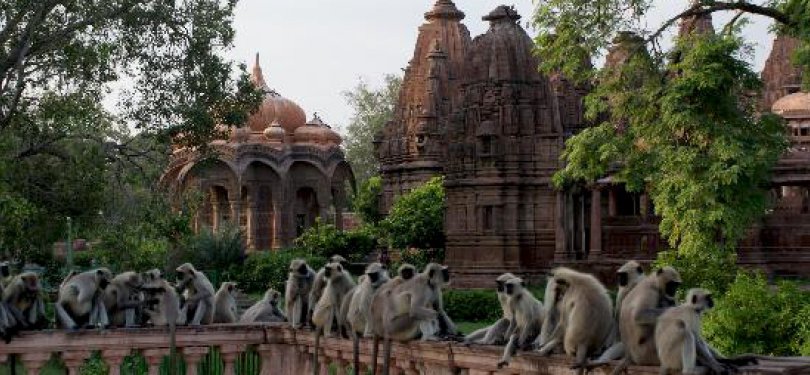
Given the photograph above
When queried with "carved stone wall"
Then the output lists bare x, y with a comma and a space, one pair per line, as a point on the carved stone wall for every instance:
779, 75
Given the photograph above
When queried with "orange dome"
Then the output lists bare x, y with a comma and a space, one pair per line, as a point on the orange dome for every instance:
333, 137
274, 107
793, 106
310, 133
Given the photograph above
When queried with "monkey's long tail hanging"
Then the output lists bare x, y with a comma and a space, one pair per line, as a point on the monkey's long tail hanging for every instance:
315, 366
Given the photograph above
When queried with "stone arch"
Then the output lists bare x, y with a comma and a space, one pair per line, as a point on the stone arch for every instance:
310, 196
262, 187
342, 184
218, 184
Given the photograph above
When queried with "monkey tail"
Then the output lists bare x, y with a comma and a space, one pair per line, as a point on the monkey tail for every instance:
172, 348
315, 365
356, 354
374, 349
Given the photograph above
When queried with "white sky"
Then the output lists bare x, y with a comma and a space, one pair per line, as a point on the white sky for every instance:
313, 50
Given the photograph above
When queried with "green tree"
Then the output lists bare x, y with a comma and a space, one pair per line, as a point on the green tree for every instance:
373, 107
60, 148
677, 124
366, 201
417, 218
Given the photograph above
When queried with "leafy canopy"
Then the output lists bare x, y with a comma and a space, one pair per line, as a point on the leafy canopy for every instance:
417, 218
680, 125
372, 108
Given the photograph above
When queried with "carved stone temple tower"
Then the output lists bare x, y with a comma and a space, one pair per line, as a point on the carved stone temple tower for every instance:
504, 144
411, 148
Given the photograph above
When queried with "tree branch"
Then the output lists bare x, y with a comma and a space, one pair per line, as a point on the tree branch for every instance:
741, 6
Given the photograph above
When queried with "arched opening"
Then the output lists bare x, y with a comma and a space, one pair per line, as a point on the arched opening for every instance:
265, 219
262, 182
306, 209
221, 208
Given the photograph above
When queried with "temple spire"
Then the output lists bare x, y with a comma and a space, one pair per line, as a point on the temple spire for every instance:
444, 9
257, 77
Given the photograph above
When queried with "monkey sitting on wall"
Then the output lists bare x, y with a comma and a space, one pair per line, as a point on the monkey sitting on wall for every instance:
585, 316
628, 275
297, 292
123, 298
496, 333
356, 308
200, 294
639, 313
527, 318
326, 311
225, 303
23, 299
398, 312
266, 310
319, 283
81, 299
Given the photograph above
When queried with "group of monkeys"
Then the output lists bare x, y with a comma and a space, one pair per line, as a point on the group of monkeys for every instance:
97, 298
576, 317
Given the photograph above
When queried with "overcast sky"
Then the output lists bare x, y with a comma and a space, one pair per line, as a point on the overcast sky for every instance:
314, 50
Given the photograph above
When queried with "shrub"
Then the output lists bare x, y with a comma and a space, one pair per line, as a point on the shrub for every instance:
754, 317
326, 240
705, 270
367, 200
417, 218
216, 250
472, 305
269, 269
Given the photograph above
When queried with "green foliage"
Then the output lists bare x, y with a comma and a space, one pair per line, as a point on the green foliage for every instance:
680, 132
419, 258
372, 108
707, 270
216, 250
325, 240
269, 269
754, 317
366, 201
417, 218
472, 305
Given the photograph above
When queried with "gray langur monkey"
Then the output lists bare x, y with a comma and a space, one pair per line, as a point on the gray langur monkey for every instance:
200, 294
398, 311
526, 320
5, 273
326, 311
319, 283
297, 291
585, 316
496, 333
81, 299
23, 299
123, 297
266, 310
639, 313
628, 276
678, 340
356, 308
225, 303
163, 306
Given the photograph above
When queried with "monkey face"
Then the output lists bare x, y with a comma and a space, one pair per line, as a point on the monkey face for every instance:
373, 277
668, 280
624, 279
103, 277
406, 271
500, 286
302, 269
510, 289
446, 275
5, 271
700, 299
671, 288
31, 282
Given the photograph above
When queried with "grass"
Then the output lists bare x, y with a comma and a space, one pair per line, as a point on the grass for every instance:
468, 327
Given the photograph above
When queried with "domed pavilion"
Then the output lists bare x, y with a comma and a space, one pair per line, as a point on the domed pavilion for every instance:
274, 176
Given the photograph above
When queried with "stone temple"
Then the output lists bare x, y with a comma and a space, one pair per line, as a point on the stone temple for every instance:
478, 112
275, 176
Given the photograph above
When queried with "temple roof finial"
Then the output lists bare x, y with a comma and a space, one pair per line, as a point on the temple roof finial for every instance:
444, 9
257, 76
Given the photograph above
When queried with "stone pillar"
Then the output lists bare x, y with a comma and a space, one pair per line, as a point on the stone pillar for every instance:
560, 235
341, 364
405, 366
612, 203
74, 360
114, 359
644, 206
192, 356
596, 224
34, 362
229, 354
154, 357
266, 352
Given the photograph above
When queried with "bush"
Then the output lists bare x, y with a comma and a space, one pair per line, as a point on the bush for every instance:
419, 258
326, 240
269, 269
754, 317
702, 270
210, 250
472, 305
417, 218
